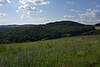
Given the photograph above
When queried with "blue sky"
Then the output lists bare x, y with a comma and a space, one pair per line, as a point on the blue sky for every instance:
44, 11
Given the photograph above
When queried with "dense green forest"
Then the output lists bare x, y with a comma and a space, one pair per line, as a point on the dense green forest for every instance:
53, 30
97, 24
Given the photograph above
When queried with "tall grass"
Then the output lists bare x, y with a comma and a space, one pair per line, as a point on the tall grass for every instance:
68, 52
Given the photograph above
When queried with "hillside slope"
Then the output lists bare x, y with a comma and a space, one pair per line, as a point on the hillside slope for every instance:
44, 32
69, 52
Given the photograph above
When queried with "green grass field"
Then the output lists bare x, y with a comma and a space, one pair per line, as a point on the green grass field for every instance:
68, 52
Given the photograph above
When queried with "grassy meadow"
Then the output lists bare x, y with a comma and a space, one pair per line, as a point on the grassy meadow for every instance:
81, 51
97, 28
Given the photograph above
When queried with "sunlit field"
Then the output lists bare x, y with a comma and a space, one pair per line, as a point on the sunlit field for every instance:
68, 52
97, 28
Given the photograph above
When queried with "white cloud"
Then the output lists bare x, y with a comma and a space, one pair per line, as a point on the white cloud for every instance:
70, 2
68, 17
26, 10
17, 11
34, 2
4, 2
2, 14
41, 10
41, 20
73, 10
98, 5
27, 7
25, 16
90, 16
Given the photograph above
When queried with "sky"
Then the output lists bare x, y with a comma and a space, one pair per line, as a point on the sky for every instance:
44, 11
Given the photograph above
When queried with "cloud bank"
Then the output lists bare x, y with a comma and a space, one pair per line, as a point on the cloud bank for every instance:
4, 2
35, 2
28, 7
90, 16
2, 14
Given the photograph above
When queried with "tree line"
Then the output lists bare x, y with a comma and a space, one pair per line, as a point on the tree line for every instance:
48, 31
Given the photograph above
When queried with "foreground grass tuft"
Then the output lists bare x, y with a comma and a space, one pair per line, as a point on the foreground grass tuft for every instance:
68, 52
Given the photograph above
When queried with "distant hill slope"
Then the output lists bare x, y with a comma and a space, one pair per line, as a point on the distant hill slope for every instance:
4, 27
52, 30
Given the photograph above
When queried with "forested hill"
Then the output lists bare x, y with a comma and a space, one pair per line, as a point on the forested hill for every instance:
97, 24
4, 27
53, 30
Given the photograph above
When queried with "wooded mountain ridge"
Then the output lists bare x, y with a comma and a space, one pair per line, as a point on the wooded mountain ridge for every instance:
53, 30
